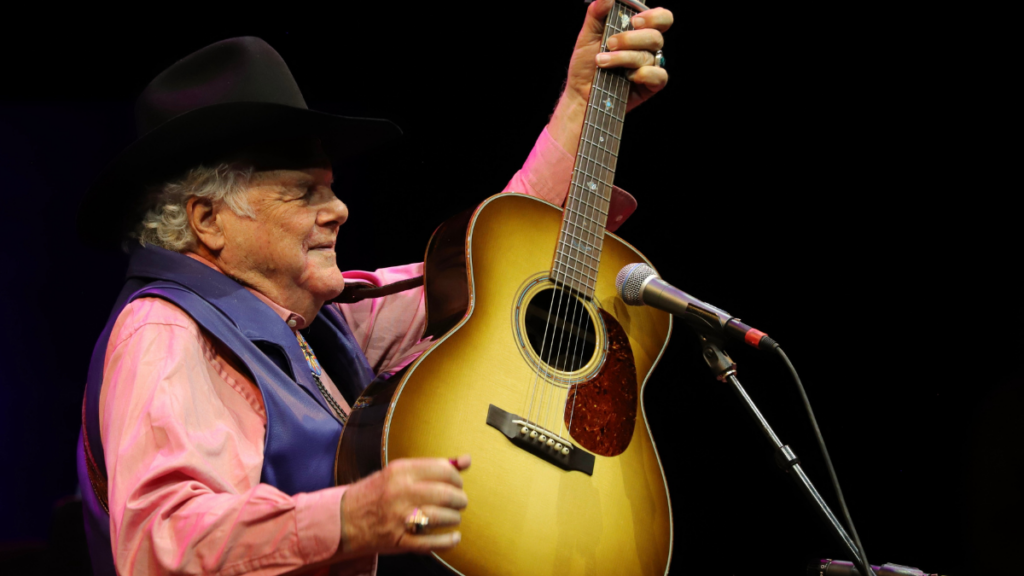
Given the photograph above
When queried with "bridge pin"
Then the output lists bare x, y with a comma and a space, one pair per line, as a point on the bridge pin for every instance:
565, 451
558, 446
551, 442
525, 430
543, 438
533, 434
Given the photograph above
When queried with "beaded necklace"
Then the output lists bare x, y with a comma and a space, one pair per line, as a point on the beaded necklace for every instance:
317, 371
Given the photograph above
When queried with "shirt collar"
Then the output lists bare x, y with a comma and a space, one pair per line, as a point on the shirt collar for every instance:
293, 320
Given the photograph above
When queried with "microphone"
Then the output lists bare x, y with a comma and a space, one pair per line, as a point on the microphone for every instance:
639, 284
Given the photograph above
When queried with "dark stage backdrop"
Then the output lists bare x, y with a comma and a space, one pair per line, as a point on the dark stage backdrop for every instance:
813, 173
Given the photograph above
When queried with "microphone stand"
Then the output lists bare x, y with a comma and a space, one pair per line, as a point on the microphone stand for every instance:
724, 370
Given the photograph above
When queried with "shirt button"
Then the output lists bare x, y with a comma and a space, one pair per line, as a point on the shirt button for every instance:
292, 323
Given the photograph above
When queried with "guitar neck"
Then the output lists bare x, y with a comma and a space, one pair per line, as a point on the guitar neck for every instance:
578, 252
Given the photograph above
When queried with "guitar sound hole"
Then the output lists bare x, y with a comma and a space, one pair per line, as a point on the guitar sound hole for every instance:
560, 330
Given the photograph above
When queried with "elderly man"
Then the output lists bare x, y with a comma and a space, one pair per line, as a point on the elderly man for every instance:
221, 384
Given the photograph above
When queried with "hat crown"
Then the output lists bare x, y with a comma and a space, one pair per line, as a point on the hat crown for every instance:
243, 69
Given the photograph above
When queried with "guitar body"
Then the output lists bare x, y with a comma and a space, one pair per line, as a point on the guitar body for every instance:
527, 515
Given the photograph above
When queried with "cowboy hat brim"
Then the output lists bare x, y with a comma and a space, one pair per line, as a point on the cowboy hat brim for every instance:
110, 208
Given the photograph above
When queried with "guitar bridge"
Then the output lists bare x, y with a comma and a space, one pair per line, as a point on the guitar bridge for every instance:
540, 442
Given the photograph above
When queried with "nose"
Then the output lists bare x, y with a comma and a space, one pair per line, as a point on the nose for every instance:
334, 213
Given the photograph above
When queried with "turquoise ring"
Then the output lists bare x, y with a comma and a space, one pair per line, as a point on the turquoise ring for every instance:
659, 59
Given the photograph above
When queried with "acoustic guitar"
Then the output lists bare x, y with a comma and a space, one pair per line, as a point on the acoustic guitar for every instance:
537, 371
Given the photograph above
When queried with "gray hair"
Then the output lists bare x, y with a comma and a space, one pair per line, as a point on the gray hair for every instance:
165, 223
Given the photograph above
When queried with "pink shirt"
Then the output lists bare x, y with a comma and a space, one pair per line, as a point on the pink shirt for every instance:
183, 429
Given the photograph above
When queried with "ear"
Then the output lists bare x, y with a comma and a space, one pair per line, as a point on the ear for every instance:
202, 218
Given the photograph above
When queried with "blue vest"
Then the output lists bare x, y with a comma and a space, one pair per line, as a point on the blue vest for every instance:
302, 433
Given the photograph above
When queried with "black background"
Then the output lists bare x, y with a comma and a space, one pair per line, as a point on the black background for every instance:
829, 176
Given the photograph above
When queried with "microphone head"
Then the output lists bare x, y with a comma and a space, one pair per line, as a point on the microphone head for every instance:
630, 282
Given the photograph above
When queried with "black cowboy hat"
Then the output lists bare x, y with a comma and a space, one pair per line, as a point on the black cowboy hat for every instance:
233, 94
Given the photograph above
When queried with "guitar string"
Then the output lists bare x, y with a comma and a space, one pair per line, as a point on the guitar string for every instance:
559, 268
544, 408
534, 386
587, 152
568, 270
591, 151
615, 85
578, 229
537, 384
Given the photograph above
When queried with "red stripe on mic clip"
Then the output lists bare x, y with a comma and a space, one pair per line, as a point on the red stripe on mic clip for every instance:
753, 337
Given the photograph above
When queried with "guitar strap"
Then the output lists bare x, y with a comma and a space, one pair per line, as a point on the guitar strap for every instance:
357, 291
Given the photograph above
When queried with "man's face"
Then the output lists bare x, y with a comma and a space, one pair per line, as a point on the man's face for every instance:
290, 244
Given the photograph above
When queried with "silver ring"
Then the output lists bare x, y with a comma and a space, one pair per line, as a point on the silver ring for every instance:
659, 59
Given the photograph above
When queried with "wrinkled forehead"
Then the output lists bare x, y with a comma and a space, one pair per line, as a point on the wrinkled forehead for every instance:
300, 154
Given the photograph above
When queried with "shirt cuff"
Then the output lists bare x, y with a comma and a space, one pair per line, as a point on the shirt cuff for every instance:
547, 172
318, 522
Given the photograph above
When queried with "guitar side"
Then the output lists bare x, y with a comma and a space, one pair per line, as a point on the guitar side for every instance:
526, 515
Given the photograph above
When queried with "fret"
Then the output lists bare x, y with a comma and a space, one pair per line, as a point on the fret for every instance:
591, 263
580, 261
584, 289
596, 209
592, 177
583, 250
579, 200
599, 146
612, 94
589, 159
583, 247
581, 244
590, 246
618, 108
568, 270
589, 243
580, 206
592, 191
578, 276
603, 136
591, 186
595, 148
593, 244
605, 112
593, 212
584, 202
594, 199
586, 281
610, 134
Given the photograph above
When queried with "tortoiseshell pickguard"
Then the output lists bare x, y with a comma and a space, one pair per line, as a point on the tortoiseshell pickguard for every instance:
601, 412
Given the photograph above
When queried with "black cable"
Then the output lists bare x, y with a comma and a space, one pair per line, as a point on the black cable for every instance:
862, 561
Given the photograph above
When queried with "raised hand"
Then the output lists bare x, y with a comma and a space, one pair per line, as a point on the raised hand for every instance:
633, 51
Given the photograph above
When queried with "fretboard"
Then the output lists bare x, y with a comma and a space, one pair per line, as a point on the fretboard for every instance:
578, 252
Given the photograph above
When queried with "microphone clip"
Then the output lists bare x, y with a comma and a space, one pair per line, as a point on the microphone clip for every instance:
721, 365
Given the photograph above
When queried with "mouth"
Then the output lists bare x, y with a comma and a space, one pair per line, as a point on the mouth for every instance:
323, 246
